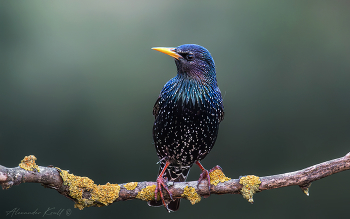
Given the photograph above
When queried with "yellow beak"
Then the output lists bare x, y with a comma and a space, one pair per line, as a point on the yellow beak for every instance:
169, 51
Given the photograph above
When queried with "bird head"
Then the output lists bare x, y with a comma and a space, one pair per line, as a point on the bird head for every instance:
191, 60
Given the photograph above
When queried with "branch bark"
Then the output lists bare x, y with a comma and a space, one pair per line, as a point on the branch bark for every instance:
85, 193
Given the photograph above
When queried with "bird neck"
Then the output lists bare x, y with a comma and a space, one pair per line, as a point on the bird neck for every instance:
197, 78
190, 91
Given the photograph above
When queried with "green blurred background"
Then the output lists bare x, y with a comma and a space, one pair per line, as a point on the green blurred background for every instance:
78, 81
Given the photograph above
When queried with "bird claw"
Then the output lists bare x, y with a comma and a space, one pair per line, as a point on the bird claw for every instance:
205, 174
162, 182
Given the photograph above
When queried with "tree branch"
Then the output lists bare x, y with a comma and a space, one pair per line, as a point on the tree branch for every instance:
85, 193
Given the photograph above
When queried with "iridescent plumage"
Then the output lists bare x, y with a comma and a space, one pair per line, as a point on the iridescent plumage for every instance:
187, 116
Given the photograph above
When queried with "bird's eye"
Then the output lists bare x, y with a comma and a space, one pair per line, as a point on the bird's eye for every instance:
189, 57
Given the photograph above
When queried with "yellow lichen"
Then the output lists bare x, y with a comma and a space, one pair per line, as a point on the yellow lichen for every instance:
28, 163
147, 194
130, 185
106, 194
217, 176
251, 185
191, 194
95, 195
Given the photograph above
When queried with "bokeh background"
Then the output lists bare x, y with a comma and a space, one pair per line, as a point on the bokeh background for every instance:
78, 81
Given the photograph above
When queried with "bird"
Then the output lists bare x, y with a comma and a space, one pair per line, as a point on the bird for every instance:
187, 115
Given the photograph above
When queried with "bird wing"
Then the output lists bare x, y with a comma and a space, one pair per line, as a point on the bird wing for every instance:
156, 108
222, 114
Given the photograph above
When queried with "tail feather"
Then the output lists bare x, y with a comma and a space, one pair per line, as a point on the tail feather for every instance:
174, 205
173, 174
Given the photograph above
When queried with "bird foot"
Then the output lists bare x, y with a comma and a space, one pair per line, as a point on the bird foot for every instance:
162, 182
205, 175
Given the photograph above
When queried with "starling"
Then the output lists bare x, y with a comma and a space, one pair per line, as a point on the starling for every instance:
187, 116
